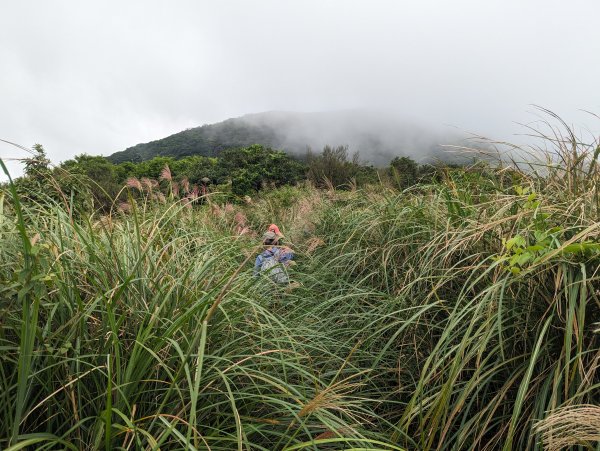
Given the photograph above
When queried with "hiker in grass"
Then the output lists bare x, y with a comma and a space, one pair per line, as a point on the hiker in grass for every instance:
274, 260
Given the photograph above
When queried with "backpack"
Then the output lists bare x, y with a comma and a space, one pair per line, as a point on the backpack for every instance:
274, 269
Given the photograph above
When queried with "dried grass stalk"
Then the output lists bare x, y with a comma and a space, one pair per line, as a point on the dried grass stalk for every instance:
569, 426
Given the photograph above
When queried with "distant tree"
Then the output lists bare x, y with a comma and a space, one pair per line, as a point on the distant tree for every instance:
37, 168
152, 168
251, 168
88, 175
124, 171
195, 168
333, 166
404, 171
36, 184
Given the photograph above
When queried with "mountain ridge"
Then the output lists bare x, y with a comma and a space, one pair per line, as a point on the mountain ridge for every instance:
376, 136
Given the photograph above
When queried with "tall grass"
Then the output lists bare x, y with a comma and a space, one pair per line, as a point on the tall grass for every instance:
455, 315
107, 341
493, 283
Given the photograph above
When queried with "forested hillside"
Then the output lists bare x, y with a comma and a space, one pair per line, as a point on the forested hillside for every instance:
377, 137
207, 141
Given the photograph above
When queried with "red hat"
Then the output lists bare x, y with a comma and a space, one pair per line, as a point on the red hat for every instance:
273, 228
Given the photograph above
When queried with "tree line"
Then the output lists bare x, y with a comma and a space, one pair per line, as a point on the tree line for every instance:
94, 182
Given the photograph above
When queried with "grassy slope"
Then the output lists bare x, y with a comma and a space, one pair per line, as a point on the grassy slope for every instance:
452, 316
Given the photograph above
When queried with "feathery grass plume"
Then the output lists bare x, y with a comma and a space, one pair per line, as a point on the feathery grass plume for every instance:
244, 231
330, 434
570, 426
146, 184
216, 210
240, 227
306, 207
105, 222
329, 397
194, 193
240, 219
165, 174
175, 189
185, 185
133, 182
313, 243
125, 207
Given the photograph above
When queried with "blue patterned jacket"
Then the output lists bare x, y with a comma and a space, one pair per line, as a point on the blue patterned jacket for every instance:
282, 255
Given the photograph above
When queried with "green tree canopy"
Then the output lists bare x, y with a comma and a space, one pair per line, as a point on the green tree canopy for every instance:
252, 167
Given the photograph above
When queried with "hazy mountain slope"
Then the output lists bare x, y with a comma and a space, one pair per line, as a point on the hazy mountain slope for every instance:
378, 137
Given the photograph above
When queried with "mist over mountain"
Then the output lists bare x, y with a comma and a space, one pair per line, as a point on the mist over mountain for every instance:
378, 137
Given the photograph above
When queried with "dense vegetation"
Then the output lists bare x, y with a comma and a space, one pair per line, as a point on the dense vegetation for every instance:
238, 171
457, 313
207, 141
97, 184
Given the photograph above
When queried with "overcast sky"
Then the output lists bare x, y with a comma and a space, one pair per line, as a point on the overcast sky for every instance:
97, 77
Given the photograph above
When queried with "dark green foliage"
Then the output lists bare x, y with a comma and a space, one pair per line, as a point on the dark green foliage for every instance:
333, 168
237, 172
196, 168
95, 183
404, 172
253, 167
89, 174
88, 178
208, 141
36, 183
37, 168
152, 168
